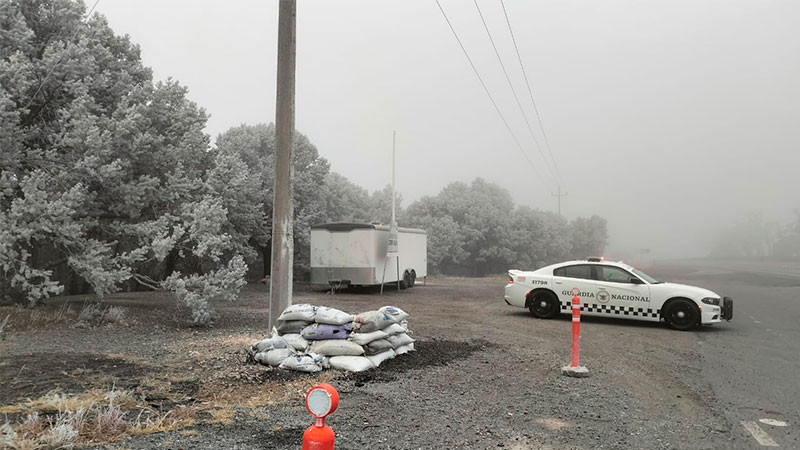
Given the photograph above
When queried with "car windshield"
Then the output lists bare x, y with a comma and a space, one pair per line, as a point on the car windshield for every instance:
644, 276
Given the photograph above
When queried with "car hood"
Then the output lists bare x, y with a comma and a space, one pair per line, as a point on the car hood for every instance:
687, 290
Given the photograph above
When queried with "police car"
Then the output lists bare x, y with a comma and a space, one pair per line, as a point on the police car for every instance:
614, 289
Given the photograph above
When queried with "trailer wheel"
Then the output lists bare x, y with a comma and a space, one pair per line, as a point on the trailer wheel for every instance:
406, 283
412, 279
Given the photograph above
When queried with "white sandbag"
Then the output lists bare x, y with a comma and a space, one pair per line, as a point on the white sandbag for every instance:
378, 346
292, 326
399, 340
396, 314
273, 342
336, 347
403, 349
394, 329
301, 311
274, 357
376, 360
369, 321
332, 316
296, 341
366, 338
351, 363
303, 363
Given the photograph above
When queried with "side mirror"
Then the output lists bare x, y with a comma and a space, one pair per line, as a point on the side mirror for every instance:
635, 280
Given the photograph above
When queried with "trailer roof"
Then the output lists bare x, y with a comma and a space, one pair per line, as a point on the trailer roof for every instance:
349, 226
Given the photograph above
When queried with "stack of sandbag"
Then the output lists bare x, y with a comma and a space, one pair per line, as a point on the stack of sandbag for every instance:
311, 338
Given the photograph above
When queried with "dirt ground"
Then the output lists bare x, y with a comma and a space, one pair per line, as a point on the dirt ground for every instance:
485, 375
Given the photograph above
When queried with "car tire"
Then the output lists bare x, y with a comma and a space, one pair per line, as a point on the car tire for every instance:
682, 315
544, 305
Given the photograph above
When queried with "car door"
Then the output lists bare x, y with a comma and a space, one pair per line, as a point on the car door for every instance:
623, 294
577, 279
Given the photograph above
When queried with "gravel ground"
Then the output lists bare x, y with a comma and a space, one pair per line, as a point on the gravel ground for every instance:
485, 375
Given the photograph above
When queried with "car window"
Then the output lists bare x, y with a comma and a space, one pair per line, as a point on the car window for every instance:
580, 271
613, 274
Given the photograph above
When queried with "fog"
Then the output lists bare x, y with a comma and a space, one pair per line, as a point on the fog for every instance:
667, 118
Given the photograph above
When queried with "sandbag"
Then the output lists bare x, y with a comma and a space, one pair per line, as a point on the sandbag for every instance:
274, 357
394, 329
399, 340
336, 347
292, 326
319, 331
303, 363
396, 314
326, 362
403, 349
378, 346
273, 342
376, 360
332, 316
370, 321
351, 363
302, 311
296, 341
366, 338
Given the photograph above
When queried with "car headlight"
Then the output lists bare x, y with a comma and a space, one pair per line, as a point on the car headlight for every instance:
711, 301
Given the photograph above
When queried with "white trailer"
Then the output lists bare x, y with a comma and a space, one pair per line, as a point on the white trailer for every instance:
354, 254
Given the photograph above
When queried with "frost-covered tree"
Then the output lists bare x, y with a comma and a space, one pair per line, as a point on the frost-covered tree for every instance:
255, 146
106, 178
589, 236
345, 201
475, 229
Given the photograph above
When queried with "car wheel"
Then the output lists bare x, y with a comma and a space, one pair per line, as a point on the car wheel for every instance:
682, 315
544, 305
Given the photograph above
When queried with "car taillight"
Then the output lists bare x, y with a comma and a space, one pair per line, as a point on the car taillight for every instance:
510, 279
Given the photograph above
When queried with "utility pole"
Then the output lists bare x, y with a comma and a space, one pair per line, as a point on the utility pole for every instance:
559, 195
280, 280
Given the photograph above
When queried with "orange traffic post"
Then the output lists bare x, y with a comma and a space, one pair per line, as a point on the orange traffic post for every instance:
321, 400
575, 369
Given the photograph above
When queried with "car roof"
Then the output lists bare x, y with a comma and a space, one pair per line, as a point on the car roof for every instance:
619, 264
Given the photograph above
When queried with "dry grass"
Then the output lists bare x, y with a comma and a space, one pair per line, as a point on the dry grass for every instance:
223, 415
94, 424
55, 401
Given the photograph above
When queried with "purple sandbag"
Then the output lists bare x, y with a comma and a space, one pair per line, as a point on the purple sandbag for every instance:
319, 331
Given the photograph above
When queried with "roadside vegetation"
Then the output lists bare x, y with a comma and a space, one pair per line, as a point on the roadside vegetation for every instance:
108, 182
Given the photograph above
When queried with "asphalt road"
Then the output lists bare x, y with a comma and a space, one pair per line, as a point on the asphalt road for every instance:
752, 364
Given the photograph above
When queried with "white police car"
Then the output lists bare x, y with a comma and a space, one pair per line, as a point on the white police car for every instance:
614, 289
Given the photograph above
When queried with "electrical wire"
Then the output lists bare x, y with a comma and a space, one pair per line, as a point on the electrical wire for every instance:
530, 93
514, 91
486, 89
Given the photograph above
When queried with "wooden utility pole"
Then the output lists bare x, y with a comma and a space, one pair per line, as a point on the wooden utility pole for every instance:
559, 195
280, 280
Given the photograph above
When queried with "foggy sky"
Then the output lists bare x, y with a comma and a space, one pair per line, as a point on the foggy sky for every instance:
667, 118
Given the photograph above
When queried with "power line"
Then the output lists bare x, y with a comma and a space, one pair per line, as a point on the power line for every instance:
74, 35
530, 92
521, 149
514, 91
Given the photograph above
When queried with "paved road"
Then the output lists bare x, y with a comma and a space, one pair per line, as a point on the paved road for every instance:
752, 364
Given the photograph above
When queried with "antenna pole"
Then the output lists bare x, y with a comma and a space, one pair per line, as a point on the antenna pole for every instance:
394, 195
